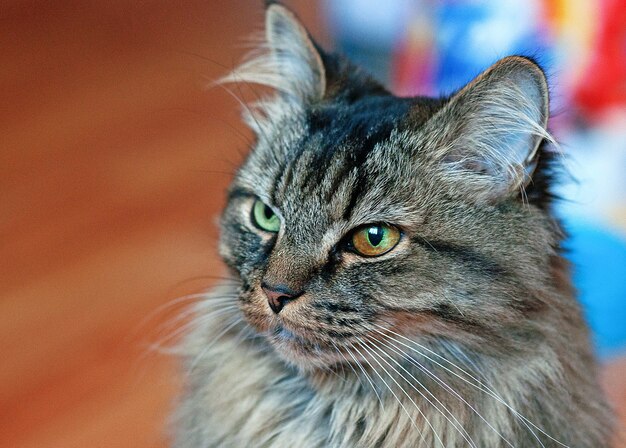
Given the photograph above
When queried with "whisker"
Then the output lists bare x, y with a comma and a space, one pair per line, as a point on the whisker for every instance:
423, 369
454, 351
159, 345
366, 376
161, 308
456, 422
376, 354
196, 322
390, 389
194, 308
343, 372
204, 351
480, 387
429, 351
242, 103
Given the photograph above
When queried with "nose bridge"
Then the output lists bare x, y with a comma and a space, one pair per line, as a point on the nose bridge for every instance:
291, 264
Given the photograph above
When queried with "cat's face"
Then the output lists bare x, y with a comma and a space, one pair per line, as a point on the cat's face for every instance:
359, 213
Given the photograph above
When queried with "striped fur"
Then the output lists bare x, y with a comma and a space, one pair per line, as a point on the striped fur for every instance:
467, 333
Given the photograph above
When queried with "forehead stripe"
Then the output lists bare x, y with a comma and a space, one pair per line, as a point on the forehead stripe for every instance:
356, 161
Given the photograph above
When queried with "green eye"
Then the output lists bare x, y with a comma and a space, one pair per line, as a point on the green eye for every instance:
373, 240
264, 217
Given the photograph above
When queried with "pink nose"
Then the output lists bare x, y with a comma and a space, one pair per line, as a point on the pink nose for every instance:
278, 296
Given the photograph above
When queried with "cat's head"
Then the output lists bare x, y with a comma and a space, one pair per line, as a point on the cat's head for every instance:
359, 213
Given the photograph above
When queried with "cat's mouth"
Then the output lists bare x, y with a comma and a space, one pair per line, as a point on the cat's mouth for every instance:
283, 334
290, 335
299, 350
286, 337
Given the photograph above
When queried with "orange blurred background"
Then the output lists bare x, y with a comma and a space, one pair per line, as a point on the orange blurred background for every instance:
114, 158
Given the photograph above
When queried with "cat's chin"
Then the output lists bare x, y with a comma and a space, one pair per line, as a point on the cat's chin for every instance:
299, 352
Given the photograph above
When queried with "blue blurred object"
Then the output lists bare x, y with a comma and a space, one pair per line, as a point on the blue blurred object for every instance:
473, 35
598, 256
465, 36
367, 32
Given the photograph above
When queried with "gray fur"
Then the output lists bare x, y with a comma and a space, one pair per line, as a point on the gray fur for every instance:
465, 334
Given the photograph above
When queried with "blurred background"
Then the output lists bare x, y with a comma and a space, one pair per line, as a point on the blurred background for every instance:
114, 157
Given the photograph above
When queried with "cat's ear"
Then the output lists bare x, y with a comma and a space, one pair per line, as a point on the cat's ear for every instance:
487, 136
298, 61
288, 61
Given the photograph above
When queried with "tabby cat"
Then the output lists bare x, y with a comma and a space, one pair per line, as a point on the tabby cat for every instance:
397, 270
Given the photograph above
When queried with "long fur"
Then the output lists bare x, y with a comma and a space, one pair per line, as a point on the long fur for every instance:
467, 333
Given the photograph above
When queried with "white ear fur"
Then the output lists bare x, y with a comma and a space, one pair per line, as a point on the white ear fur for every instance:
288, 61
489, 132
294, 51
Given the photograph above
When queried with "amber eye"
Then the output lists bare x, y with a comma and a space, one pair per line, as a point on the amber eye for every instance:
373, 240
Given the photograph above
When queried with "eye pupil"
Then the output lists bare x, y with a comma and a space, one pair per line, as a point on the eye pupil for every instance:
264, 217
375, 235
374, 240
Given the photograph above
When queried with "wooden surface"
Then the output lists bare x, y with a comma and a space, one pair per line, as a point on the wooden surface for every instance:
113, 162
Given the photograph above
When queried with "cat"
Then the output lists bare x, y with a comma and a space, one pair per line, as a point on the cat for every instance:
397, 270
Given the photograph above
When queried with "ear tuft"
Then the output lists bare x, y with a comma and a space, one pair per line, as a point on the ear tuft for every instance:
295, 52
489, 132
288, 61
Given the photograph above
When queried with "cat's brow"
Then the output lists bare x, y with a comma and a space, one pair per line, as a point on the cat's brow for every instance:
239, 192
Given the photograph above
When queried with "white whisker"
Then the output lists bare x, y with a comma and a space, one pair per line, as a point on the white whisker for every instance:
456, 422
447, 387
480, 385
205, 350
366, 376
357, 376
376, 354
201, 319
391, 390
